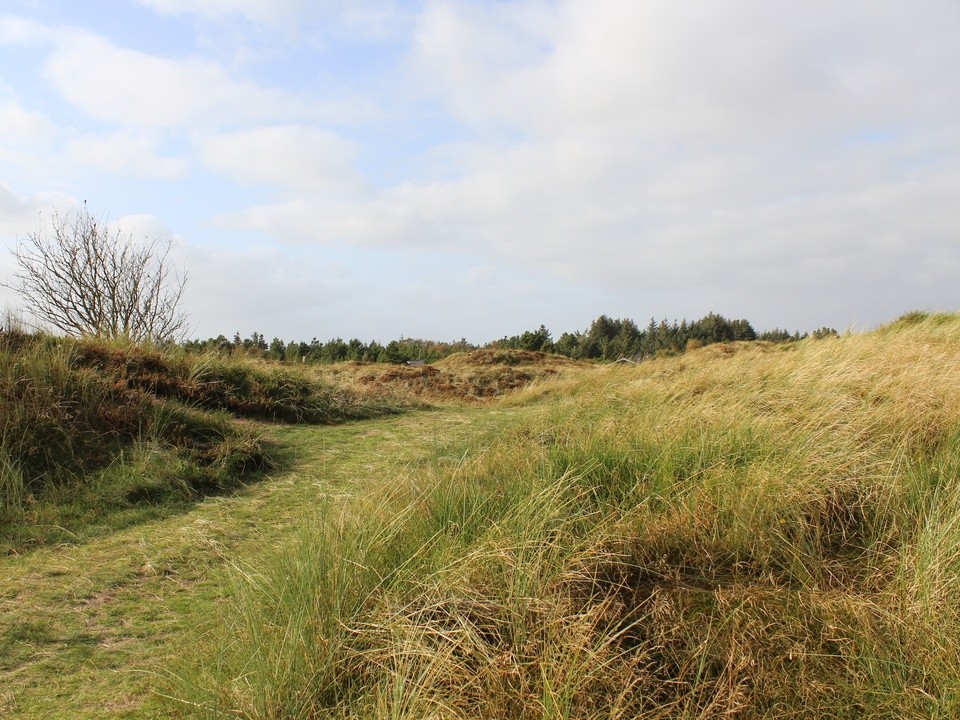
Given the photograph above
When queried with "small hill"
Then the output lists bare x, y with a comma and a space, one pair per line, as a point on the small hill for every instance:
478, 376
89, 426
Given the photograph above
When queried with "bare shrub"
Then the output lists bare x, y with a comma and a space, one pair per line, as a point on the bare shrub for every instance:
85, 278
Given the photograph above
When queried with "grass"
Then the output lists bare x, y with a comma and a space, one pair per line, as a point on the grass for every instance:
121, 609
476, 377
745, 531
100, 435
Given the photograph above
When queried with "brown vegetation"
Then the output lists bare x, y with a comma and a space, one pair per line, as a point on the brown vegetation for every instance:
473, 377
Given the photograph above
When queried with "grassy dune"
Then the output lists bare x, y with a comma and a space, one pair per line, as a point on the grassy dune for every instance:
748, 530
745, 531
475, 377
98, 435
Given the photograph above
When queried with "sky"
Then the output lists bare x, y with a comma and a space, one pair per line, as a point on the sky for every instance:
452, 169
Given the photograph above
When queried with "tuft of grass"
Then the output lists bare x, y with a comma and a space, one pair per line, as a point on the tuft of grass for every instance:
12, 487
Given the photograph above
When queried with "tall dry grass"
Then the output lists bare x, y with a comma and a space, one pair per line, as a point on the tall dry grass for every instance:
745, 531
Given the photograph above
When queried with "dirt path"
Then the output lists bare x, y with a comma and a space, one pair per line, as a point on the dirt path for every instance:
88, 631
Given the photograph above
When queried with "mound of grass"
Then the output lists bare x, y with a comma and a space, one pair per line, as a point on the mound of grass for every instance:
474, 377
755, 534
88, 428
242, 387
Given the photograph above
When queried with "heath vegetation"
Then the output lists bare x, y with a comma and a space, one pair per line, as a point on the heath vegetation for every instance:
103, 427
748, 529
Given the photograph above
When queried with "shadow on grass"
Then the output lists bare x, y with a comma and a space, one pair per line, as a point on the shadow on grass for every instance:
147, 484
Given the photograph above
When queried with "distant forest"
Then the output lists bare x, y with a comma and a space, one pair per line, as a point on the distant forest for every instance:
607, 339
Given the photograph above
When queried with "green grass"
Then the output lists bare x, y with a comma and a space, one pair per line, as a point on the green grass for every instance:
745, 531
100, 435
748, 531
122, 609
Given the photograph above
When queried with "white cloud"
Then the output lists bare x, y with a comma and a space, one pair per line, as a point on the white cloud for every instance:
143, 225
128, 155
136, 89
700, 71
482, 59
22, 31
30, 156
703, 155
265, 289
20, 215
372, 19
19, 126
669, 145
289, 156
728, 231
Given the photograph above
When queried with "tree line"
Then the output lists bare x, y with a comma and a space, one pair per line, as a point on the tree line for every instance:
611, 339
331, 351
607, 339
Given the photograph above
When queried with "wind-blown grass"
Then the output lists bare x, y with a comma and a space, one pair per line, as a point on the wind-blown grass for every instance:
745, 531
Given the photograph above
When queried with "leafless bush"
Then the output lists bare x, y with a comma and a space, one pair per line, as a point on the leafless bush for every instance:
83, 277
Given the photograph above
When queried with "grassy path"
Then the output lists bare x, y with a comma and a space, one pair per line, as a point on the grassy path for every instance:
88, 631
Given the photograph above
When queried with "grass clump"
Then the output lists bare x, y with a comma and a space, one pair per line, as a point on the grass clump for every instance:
239, 386
746, 532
